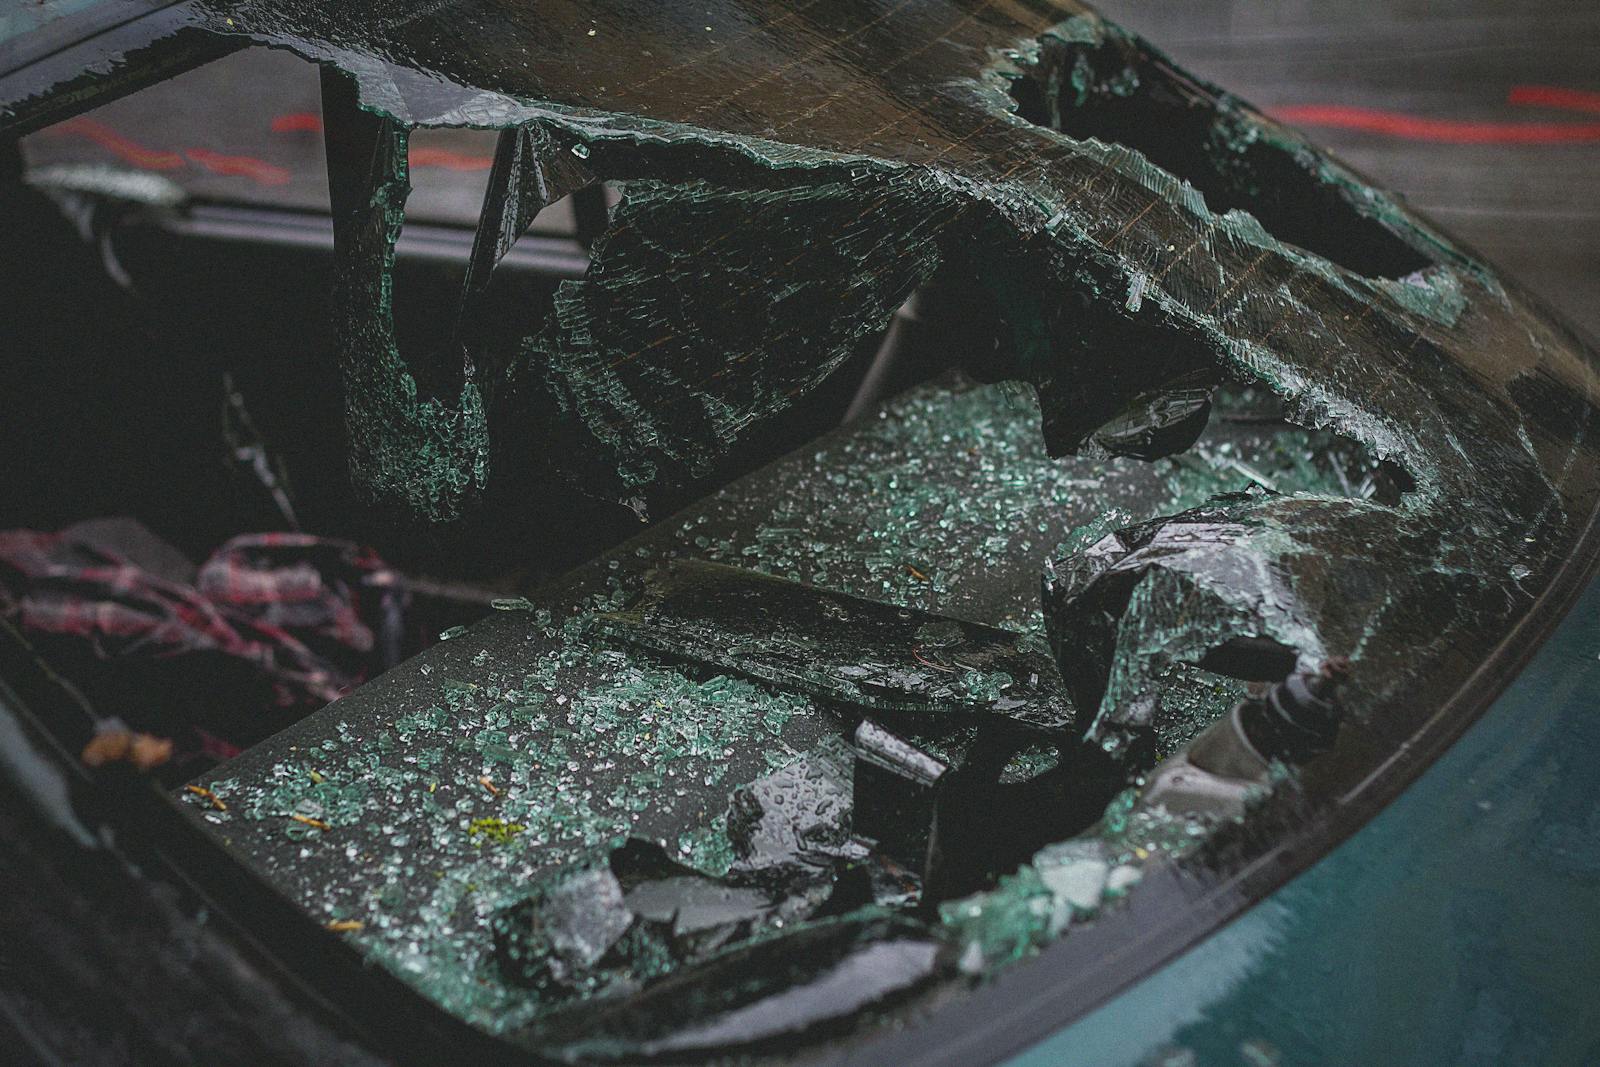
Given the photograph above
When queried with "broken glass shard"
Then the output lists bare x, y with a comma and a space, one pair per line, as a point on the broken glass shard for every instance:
820, 975
841, 648
1157, 424
794, 822
621, 918
896, 790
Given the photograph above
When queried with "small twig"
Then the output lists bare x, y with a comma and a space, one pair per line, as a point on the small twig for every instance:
205, 794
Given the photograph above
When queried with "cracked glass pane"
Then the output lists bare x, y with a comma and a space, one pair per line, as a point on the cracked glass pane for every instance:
1285, 468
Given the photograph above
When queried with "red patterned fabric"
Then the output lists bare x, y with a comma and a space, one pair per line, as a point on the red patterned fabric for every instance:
301, 610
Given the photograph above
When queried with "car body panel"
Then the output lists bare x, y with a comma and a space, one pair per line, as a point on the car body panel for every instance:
1457, 927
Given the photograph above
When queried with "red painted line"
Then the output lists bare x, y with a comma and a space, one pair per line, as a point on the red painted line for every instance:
1444, 131
127, 150
425, 156
1555, 96
297, 122
1449, 131
443, 157
239, 166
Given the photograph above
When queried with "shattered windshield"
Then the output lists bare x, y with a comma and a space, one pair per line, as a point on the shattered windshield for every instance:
1247, 475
